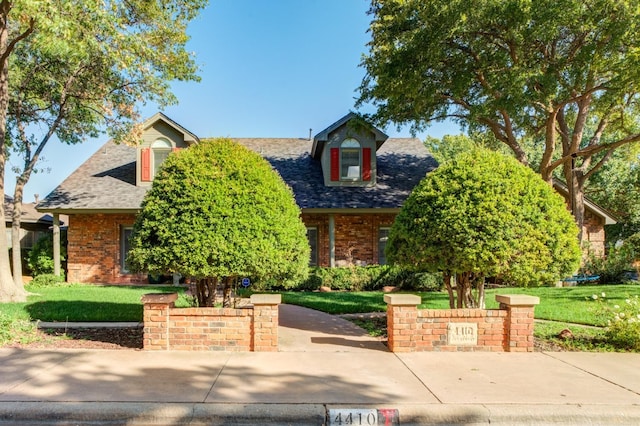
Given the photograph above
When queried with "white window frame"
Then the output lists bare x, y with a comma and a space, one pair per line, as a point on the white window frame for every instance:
161, 147
350, 171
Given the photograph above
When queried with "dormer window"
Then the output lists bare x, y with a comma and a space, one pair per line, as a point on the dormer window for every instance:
151, 158
161, 149
347, 152
350, 160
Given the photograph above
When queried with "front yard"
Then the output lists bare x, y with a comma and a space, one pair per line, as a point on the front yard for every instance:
582, 310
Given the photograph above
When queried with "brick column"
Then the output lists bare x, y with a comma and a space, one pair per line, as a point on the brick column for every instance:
519, 321
402, 316
265, 322
156, 320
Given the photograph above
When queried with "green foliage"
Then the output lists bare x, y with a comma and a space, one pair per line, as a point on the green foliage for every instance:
617, 188
40, 260
16, 330
218, 210
614, 266
563, 74
48, 280
622, 320
623, 327
374, 277
486, 214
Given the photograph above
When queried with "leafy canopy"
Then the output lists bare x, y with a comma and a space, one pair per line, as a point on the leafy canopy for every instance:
217, 210
564, 73
486, 214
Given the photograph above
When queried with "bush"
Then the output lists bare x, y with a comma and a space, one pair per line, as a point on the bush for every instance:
48, 280
482, 215
217, 212
408, 280
40, 258
375, 277
623, 323
613, 267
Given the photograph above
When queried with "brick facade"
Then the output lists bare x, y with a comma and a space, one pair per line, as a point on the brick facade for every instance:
356, 237
593, 232
94, 243
508, 329
253, 328
94, 247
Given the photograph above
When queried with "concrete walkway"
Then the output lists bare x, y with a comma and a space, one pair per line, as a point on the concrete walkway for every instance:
322, 369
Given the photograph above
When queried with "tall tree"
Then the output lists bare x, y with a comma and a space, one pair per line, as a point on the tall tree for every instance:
78, 69
566, 72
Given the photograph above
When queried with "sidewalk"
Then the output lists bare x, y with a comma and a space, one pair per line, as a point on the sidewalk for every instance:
329, 366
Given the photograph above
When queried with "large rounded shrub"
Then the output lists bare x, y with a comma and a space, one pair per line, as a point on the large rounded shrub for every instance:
485, 215
217, 211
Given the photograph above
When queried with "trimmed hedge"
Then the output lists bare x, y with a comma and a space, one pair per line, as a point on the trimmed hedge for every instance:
359, 278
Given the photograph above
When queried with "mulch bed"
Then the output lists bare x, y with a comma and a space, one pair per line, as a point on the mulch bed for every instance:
86, 338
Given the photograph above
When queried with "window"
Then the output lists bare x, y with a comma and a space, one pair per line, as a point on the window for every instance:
161, 149
350, 160
125, 234
383, 236
312, 236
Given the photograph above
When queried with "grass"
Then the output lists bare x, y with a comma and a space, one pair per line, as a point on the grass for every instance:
82, 303
565, 307
565, 304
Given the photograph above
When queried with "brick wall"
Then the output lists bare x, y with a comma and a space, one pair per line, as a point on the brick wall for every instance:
93, 249
254, 328
508, 329
593, 232
356, 236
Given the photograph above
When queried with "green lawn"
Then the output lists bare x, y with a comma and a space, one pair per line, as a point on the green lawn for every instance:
565, 304
78, 302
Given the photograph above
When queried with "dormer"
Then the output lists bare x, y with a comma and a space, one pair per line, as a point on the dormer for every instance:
347, 151
160, 137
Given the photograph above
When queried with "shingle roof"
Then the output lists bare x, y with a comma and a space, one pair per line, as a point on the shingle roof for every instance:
106, 181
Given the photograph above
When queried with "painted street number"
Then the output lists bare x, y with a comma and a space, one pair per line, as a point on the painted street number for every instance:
363, 416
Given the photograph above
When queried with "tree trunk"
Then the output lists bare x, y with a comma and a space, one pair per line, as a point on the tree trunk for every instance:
226, 292
447, 283
15, 234
575, 185
206, 289
9, 291
459, 291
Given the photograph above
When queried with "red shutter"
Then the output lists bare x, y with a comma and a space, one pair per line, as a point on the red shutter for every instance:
335, 164
366, 164
145, 166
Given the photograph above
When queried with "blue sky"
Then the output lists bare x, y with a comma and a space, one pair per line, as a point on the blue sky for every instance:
269, 69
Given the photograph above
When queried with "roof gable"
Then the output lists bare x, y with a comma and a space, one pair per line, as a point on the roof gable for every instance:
189, 137
321, 138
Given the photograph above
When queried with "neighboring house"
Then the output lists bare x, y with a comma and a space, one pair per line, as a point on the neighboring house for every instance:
33, 224
350, 181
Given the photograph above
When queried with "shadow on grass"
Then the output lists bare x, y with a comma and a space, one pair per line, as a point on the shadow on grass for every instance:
84, 311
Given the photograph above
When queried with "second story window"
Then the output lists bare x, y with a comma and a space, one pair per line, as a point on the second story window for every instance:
350, 160
161, 149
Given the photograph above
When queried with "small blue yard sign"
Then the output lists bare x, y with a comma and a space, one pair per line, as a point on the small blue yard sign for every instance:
246, 282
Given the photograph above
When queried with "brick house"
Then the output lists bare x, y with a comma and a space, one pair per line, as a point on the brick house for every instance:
350, 181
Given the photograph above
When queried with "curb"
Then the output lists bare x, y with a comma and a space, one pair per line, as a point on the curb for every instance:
196, 414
